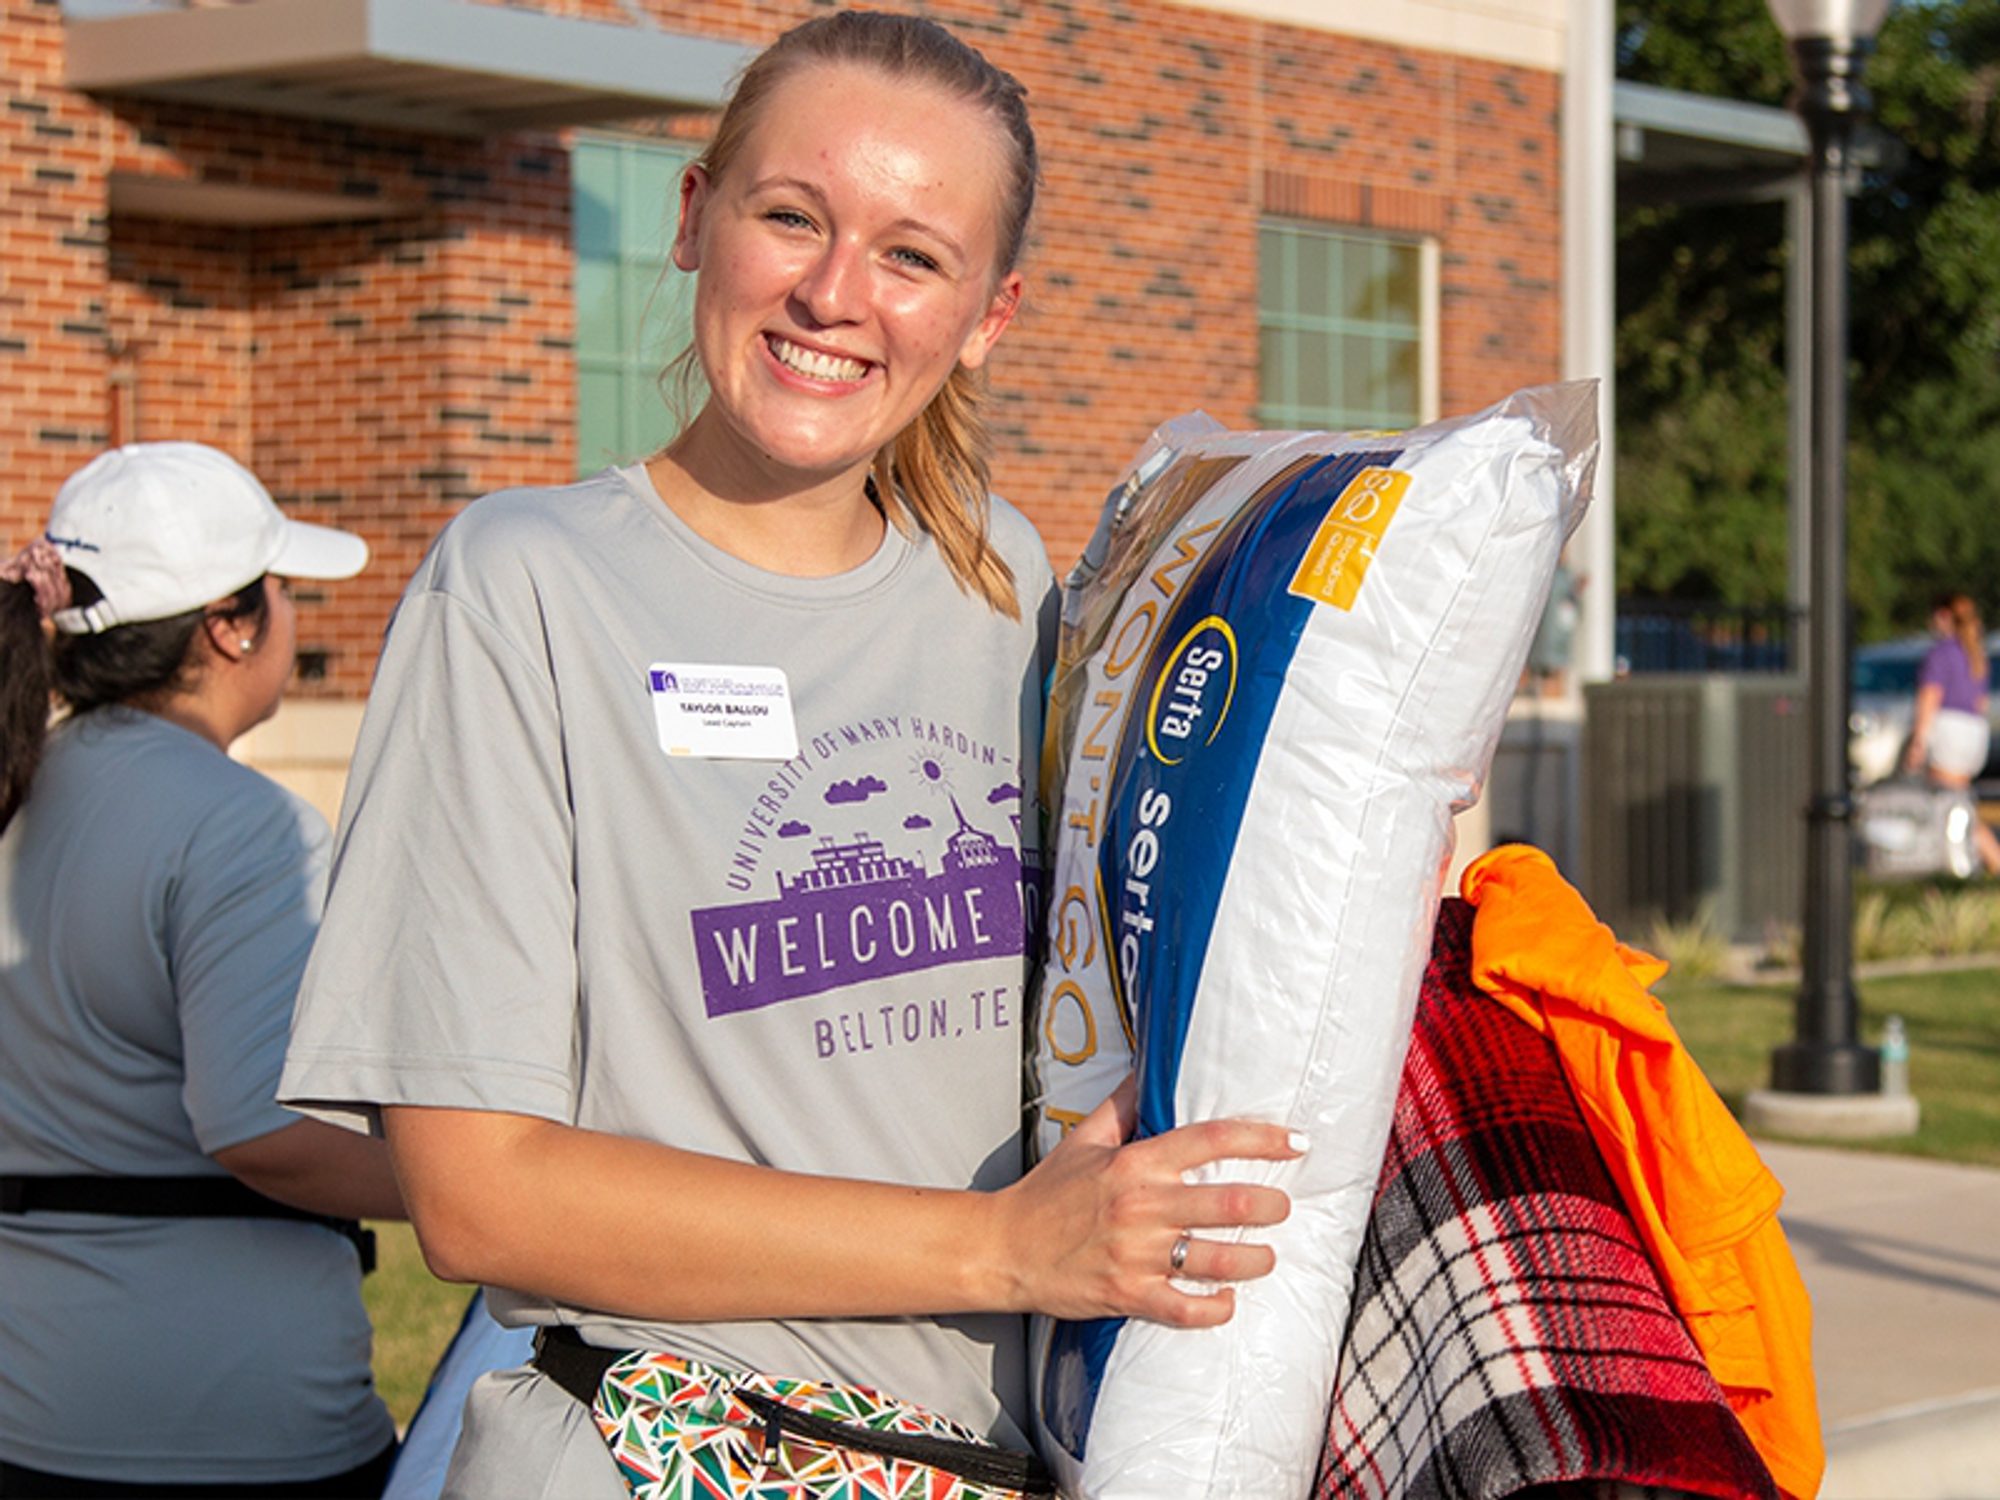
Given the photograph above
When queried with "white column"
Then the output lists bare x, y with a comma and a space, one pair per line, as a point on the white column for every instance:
1589, 310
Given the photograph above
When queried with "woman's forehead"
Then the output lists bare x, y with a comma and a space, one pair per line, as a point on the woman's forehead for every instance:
854, 119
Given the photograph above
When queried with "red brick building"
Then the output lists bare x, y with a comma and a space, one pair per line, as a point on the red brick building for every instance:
348, 240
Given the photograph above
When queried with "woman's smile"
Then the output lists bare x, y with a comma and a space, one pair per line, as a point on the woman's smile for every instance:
816, 364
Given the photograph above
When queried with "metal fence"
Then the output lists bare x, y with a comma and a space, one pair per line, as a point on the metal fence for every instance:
1656, 635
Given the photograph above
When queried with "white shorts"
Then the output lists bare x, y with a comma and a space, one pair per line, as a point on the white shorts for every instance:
1959, 742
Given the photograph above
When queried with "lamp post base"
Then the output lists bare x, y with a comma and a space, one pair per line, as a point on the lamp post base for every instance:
1825, 1068
1830, 1117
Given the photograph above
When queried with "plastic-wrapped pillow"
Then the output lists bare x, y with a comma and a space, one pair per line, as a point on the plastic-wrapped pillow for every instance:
1286, 661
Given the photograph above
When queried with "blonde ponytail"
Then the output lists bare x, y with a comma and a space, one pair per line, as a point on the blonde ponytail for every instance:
936, 471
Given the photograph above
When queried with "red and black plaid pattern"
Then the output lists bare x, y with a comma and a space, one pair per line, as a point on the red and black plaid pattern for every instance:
1508, 1329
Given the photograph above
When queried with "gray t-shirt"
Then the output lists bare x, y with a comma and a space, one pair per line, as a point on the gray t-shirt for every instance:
157, 901
813, 961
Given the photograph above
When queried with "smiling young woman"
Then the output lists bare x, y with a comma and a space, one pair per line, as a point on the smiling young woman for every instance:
681, 927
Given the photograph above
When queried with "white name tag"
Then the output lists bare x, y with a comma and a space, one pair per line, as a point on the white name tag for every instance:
723, 713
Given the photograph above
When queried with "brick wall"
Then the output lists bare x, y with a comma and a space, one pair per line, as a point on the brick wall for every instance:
380, 373
54, 366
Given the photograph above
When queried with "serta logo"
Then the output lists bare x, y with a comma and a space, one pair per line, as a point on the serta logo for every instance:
1192, 694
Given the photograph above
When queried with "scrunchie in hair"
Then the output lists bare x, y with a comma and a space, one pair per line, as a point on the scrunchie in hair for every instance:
40, 566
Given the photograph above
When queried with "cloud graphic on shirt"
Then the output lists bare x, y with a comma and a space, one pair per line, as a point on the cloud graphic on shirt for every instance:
916, 820
858, 790
1005, 792
794, 829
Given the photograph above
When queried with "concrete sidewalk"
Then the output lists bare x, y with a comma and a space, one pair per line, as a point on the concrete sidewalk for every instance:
1902, 1258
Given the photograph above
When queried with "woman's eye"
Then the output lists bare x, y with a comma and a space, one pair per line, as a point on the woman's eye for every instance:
915, 259
791, 218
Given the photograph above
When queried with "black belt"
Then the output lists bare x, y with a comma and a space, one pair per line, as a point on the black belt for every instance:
168, 1198
577, 1367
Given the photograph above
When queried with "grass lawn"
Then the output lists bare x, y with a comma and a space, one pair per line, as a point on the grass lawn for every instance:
414, 1315
1954, 1026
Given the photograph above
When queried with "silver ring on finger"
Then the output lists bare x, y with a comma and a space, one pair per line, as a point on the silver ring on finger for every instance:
1177, 1261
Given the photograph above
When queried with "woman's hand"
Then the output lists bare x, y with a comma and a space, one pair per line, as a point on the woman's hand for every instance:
1094, 1226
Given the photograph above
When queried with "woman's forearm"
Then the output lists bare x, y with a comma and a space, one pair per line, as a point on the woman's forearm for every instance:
318, 1167
649, 1232
652, 1233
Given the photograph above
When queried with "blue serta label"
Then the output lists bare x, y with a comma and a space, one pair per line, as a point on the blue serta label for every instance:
1200, 709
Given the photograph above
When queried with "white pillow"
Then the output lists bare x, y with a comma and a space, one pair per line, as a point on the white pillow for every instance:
1286, 662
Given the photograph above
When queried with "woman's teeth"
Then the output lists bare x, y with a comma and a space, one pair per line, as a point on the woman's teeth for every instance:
815, 365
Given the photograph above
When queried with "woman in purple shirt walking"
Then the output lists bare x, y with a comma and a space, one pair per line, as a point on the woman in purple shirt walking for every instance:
1951, 735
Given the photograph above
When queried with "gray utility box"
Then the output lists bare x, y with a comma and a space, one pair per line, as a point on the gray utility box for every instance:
1694, 794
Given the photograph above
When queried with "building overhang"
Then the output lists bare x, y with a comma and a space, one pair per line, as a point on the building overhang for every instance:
437, 66
1675, 147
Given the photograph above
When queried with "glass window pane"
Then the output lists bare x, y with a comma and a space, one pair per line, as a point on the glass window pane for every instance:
665, 318
593, 175
1316, 390
647, 423
1274, 371
1360, 385
1340, 342
1319, 272
652, 198
1404, 297
1271, 243
600, 323
1402, 394
599, 412
632, 309
1354, 279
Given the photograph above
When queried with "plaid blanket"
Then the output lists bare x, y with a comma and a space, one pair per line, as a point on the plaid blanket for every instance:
1508, 1332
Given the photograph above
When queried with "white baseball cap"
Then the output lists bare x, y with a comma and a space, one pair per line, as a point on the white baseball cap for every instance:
164, 528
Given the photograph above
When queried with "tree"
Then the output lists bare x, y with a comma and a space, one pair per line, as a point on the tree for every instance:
1701, 418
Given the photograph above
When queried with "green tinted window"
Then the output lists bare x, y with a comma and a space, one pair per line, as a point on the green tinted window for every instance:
633, 309
1341, 322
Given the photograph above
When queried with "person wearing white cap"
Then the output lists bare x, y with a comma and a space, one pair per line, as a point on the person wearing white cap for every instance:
180, 1266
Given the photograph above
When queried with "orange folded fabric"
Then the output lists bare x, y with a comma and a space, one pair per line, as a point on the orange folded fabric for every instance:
1703, 1200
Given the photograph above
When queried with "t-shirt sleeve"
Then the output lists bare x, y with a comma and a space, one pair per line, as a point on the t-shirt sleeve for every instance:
445, 972
1935, 670
241, 914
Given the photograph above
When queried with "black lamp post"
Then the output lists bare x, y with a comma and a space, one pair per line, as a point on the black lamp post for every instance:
1830, 41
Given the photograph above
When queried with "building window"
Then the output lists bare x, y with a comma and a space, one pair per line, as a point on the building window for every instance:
1346, 323
633, 309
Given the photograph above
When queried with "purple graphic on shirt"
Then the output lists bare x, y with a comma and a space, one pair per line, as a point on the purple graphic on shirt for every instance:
859, 913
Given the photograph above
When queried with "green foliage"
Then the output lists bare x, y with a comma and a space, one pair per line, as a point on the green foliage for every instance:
1954, 1029
1695, 949
1702, 480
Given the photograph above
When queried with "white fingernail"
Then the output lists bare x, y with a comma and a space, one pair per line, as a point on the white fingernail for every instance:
1299, 1141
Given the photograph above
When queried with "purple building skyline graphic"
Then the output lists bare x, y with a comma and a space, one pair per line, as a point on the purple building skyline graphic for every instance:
857, 912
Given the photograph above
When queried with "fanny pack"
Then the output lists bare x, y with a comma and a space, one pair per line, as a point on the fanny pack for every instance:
208, 1197
682, 1430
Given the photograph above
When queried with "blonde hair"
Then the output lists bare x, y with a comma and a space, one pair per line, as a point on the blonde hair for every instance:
1971, 633
932, 476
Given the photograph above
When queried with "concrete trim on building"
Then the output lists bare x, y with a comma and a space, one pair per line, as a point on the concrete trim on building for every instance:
1525, 33
431, 65
236, 205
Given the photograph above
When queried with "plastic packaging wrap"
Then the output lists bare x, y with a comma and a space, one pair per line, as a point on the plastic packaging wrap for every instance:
1285, 664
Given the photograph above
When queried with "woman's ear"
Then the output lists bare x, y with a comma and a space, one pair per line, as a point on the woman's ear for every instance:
1006, 301
695, 188
226, 637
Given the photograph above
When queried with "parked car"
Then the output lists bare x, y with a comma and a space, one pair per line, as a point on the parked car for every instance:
1882, 704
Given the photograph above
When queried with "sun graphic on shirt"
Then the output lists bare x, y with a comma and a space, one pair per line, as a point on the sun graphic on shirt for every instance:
931, 773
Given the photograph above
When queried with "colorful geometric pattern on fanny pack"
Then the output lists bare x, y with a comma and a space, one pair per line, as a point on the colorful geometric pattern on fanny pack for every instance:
679, 1432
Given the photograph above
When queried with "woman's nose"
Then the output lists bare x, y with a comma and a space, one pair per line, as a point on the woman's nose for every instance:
834, 286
